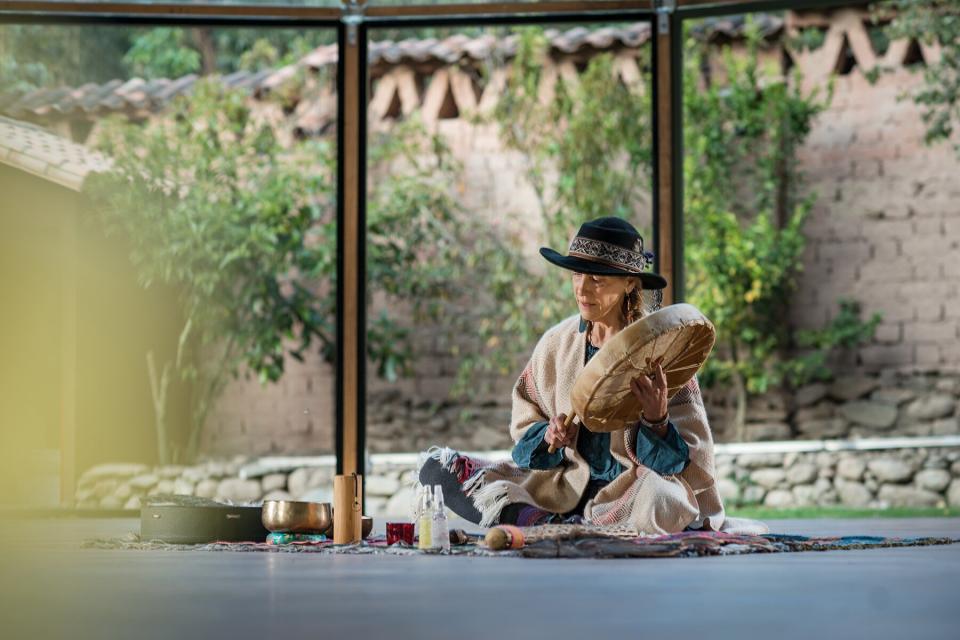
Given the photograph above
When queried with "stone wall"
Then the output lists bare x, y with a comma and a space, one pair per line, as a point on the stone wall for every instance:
909, 477
874, 479
855, 406
885, 230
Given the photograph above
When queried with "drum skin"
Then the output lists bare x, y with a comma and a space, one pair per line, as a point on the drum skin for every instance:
679, 333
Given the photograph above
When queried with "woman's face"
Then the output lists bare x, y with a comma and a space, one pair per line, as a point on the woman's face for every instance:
600, 297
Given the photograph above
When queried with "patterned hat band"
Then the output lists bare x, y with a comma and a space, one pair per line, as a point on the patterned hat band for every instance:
610, 254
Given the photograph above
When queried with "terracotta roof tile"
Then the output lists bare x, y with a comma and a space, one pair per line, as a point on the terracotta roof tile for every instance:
35, 150
64, 176
92, 99
137, 95
176, 87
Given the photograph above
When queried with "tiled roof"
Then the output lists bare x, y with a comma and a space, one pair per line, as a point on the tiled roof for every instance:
138, 96
35, 150
134, 95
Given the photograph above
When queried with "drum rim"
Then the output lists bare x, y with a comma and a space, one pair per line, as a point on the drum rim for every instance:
682, 308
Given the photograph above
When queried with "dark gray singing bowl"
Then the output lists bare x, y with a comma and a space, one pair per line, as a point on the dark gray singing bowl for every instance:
288, 516
366, 526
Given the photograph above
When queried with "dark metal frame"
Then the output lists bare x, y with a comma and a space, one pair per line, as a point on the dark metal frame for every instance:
341, 263
409, 17
361, 34
472, 20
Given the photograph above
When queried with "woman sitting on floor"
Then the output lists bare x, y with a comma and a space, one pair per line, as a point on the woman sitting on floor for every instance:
657, 475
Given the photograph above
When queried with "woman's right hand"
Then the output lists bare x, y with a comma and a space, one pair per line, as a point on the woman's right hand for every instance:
557, 435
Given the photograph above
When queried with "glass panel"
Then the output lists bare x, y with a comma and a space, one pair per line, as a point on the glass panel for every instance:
427, 3
168, 243
316, 3
277, 3
484, 145
305, 3
821, 237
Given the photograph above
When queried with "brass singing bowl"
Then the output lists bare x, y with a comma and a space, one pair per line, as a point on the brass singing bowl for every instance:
289, 516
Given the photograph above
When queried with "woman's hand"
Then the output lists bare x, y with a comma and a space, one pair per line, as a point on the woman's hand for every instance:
557, 435
651, 392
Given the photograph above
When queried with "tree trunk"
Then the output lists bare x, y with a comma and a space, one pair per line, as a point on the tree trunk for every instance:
740, 416
203, 39
211, 386
158, 389
782, 211
782, 176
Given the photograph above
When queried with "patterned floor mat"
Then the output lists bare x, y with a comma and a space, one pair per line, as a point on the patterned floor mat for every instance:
686, 544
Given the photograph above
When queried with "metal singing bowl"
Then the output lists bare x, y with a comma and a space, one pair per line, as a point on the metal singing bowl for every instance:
288, 516
366, 526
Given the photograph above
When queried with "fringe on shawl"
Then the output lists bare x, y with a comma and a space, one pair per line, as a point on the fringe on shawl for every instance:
449, 459
445, 455
490, 499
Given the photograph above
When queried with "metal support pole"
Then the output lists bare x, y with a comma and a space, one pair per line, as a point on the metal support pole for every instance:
668, 225
351, 241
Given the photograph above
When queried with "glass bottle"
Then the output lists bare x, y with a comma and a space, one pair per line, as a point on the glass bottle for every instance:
424, 519
439, 529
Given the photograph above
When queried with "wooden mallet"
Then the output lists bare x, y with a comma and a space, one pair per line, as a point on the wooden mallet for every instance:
566, 425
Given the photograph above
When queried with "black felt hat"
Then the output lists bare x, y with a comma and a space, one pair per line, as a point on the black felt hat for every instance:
611, 247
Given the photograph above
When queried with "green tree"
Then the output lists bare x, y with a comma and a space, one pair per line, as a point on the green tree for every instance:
587, 154
421, 243
170, 52
438, 265
37, 56
244, 228
163, 52
930, 22
44, 56
213, 205
589, 150
744, 211
847, 331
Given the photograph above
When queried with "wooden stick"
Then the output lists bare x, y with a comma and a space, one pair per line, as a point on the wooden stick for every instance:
566, 423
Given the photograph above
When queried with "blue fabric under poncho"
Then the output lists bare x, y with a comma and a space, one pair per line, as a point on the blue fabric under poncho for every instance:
666, 456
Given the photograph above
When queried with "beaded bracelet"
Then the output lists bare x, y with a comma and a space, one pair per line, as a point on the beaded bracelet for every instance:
647, 423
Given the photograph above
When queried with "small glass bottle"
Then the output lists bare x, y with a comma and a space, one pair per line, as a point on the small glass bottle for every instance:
439, 529
424, 518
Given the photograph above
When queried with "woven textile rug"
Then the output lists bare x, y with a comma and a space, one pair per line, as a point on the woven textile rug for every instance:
680, 545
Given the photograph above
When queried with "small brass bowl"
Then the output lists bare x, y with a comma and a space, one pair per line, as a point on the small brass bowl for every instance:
288, 516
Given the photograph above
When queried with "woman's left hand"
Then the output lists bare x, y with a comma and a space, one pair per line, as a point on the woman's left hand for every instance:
651, 391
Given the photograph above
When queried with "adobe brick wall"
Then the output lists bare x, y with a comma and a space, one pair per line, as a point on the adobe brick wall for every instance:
886, 226
885, 230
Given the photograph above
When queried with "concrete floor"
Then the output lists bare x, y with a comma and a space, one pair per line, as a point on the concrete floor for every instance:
51, 589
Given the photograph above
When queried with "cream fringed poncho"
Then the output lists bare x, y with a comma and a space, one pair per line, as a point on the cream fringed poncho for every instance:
638, 497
